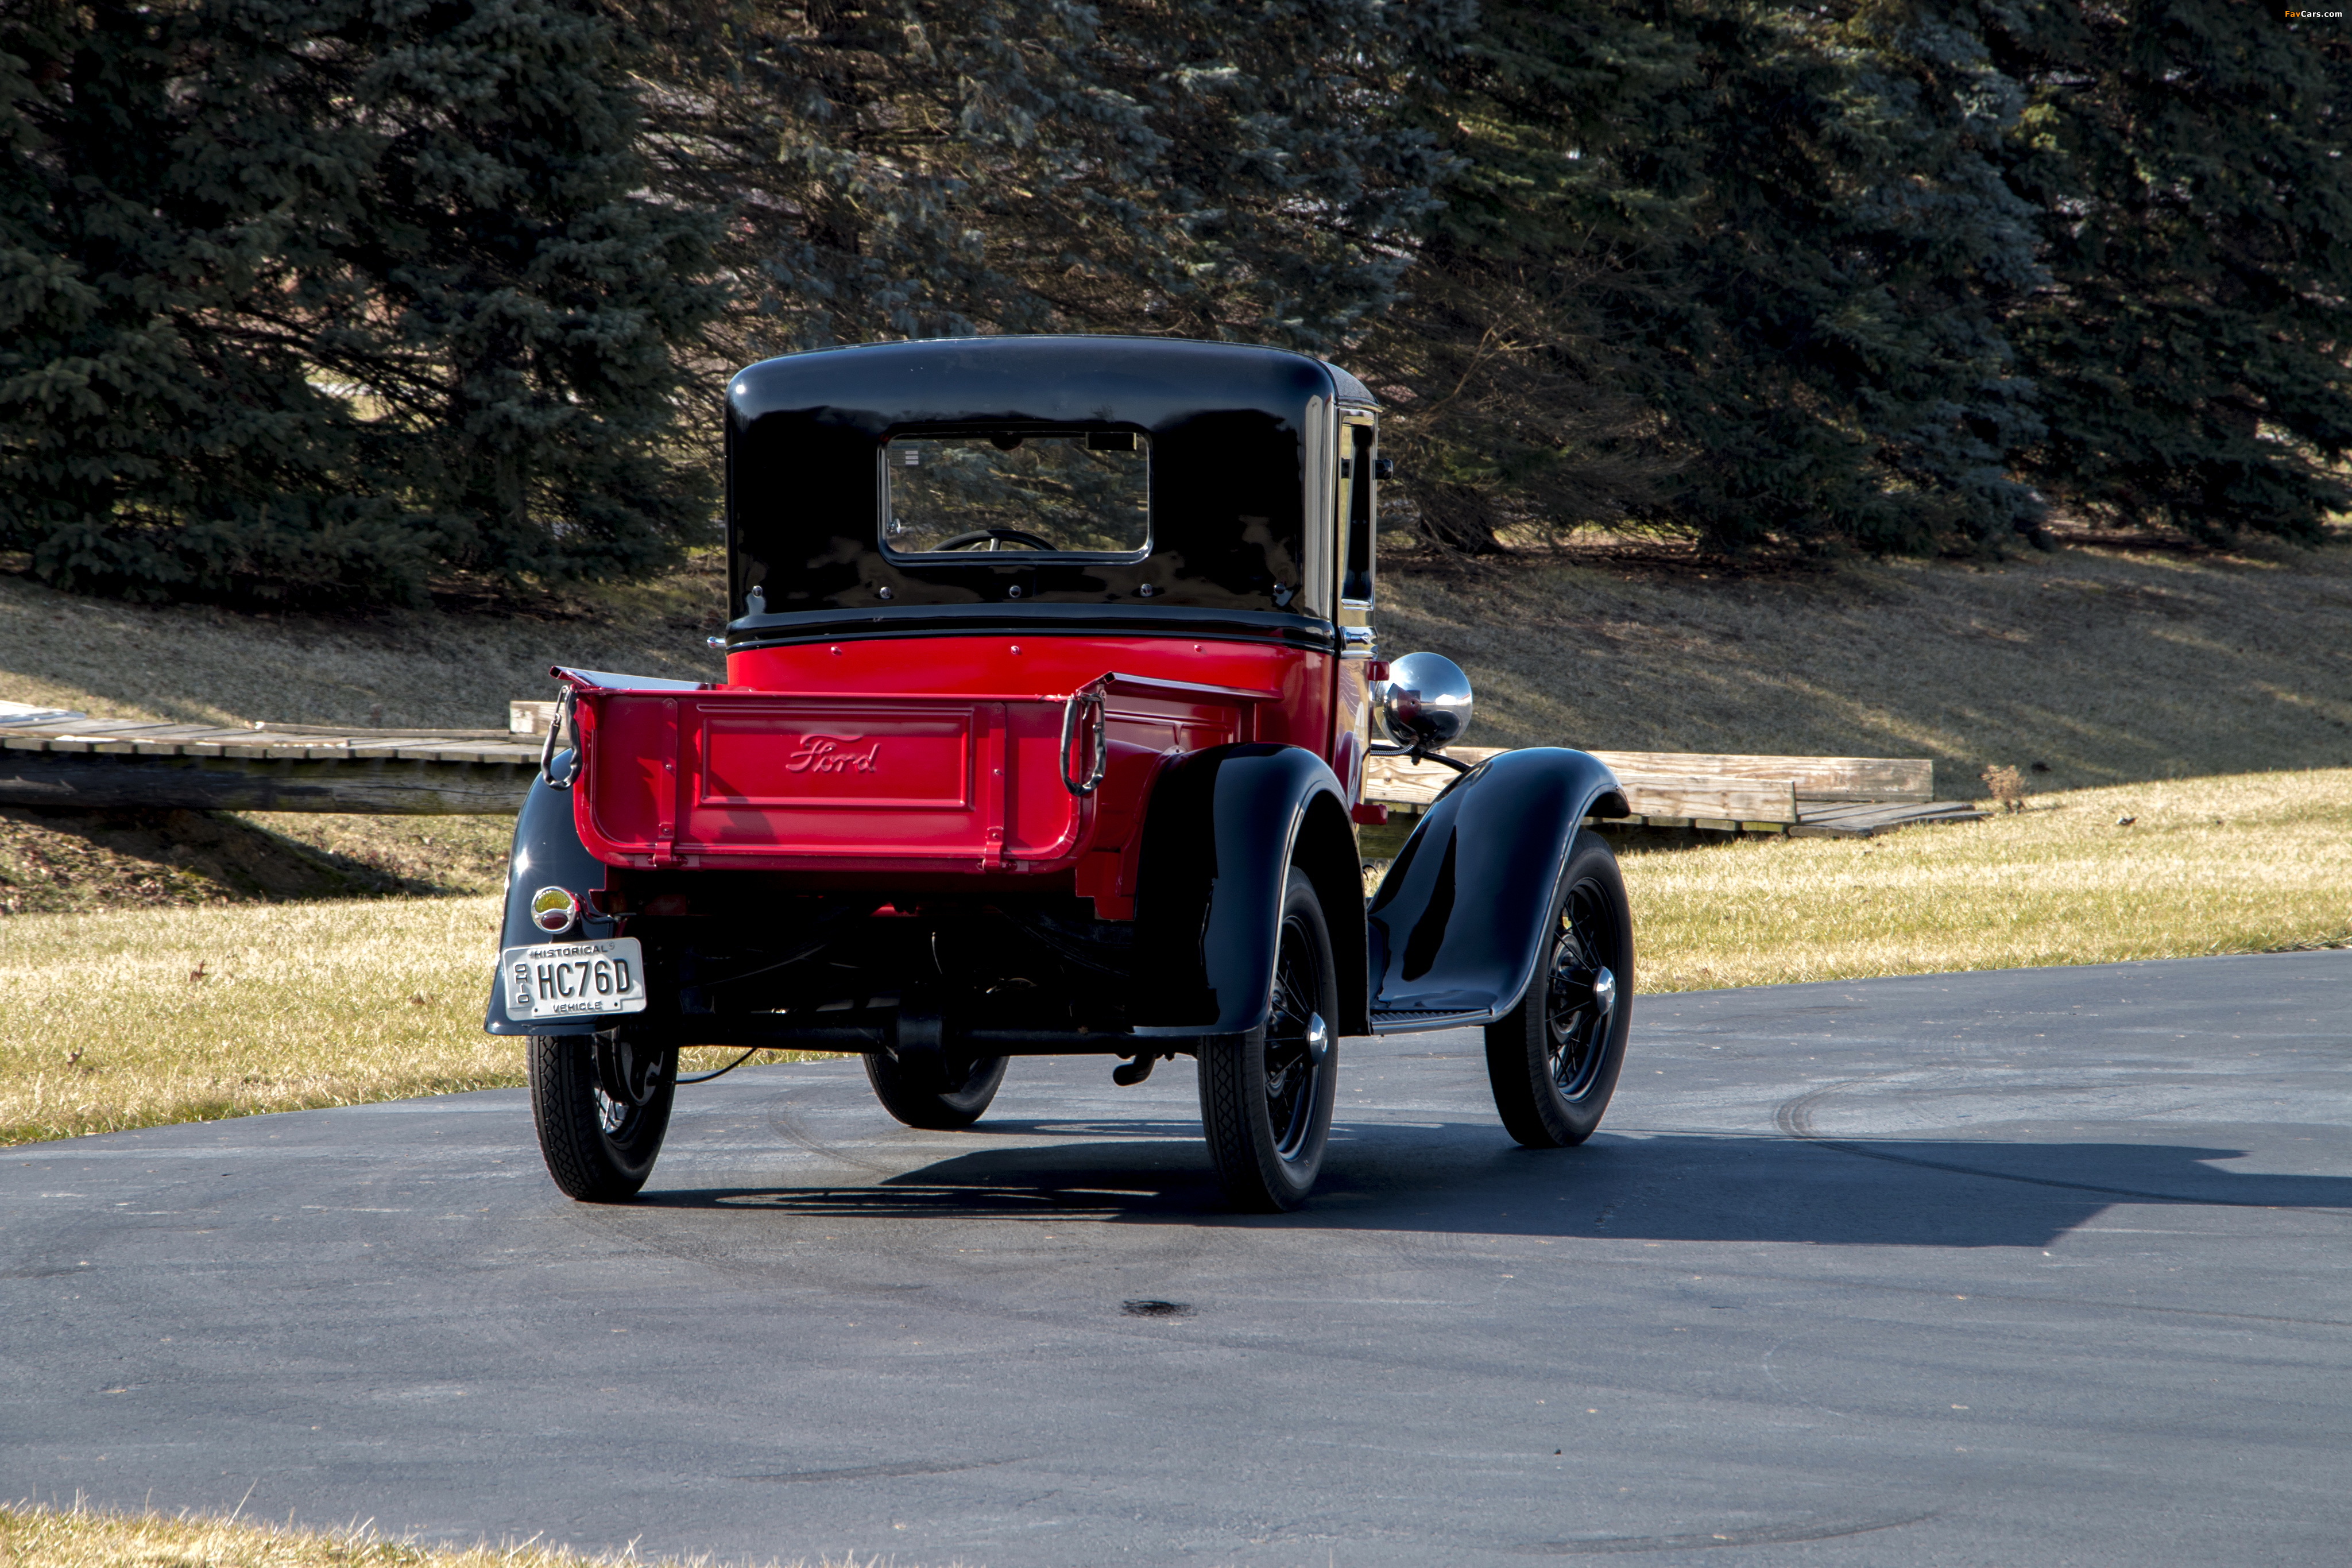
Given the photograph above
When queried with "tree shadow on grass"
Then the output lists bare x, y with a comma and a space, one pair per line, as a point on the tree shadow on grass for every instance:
55, 859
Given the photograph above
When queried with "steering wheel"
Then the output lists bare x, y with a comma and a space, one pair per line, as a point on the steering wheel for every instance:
990, 536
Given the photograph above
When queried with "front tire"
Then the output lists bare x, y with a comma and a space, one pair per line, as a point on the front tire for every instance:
600, 1122
944, 1096
1554, 1059
1265, 1102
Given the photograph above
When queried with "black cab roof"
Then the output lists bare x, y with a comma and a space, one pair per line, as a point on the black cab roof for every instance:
1237, 440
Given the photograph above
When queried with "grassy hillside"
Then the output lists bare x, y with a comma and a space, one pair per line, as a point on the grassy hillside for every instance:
2101, 663
2107, 664
2104, 664
396, 669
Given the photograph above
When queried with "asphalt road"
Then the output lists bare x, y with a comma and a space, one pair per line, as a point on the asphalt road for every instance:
2028, 1268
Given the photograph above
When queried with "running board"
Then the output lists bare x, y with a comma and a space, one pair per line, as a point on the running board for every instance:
1413, 1020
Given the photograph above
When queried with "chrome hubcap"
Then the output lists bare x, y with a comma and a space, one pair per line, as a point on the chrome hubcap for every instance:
1297, 1042
1581, 1002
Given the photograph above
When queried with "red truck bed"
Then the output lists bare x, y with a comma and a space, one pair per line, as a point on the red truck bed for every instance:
973, 783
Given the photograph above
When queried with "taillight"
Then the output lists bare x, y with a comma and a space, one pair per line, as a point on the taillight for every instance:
554, 911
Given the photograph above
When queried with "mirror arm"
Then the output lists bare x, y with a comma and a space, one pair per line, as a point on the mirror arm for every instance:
1416, 754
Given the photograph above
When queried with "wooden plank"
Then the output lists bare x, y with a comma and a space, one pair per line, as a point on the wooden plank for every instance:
1817, 815
1813, 778
31, 713
1398, 780
93, 726
1880, 815
530, 717
375, 785
1713, 800
471, 754
174, 740
102, 735
46, 726
397, 738
1867, 822
206, 741
1816, 777
1402, 781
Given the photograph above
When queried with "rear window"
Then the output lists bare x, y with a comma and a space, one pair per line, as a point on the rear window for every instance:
1054, 492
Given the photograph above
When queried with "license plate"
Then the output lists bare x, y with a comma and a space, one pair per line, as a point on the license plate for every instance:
570, 979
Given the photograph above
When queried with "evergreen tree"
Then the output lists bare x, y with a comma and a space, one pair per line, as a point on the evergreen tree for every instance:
1843, 376
311, 299
1759, 254
2188, 160
923, 169
157, 434
529, 292
1509, 362
1271, 188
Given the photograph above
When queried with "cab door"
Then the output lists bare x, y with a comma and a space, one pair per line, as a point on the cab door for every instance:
1355, 521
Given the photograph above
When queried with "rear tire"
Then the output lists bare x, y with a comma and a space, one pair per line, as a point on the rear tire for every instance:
1554, 1059
600, 1149
1265, 1102
944, 1097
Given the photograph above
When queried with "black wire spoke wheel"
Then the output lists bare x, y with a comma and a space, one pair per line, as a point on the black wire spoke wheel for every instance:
1554, 1060
602, 1107
1265, 1102
1580, 998
944, 1093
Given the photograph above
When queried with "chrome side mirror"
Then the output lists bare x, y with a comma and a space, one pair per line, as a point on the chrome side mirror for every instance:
1425, 704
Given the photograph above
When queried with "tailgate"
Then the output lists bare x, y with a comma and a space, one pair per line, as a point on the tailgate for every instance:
737, 779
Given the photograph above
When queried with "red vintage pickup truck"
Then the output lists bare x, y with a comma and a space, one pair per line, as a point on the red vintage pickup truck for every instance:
1051, 678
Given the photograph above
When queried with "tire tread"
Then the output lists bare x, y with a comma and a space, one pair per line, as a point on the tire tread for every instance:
579, 1158
1518, 1064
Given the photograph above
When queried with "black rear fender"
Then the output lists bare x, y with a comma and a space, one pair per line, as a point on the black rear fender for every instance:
1459, 925
547, 853
1222, 828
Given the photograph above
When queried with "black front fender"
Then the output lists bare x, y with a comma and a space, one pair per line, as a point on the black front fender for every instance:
1220, 831
1459, 925
547, 851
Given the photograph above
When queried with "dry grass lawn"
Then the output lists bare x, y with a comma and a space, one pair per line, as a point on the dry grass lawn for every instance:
84, 1538
2254, 863
134, 1018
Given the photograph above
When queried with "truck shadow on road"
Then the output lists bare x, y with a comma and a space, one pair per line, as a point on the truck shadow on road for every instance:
1462, 1177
